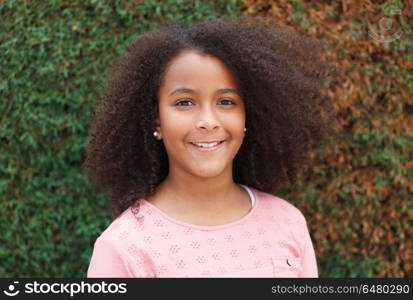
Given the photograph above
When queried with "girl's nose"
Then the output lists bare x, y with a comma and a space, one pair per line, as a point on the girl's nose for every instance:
207, 119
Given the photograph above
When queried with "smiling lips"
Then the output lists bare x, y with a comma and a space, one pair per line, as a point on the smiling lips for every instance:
211, 146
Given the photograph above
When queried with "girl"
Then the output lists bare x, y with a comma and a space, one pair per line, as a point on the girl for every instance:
198, 129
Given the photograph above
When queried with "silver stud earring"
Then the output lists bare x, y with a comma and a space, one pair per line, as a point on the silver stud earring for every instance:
155, 133
245, 129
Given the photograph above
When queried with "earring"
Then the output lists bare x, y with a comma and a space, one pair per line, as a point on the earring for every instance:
245, 129
155, 133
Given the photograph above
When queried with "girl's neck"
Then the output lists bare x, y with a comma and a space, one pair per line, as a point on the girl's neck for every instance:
207, 195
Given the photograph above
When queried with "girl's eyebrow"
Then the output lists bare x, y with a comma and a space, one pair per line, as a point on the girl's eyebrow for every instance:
191, 91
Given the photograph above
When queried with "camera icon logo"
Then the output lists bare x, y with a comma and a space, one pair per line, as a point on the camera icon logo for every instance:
12, 290
388, 30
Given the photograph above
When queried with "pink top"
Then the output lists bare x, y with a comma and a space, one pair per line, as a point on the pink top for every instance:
271, 240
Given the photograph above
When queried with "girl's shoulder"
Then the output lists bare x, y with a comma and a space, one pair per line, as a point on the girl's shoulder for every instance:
279, 207
138, 223
120, 228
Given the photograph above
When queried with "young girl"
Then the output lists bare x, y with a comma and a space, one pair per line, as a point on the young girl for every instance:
199, 127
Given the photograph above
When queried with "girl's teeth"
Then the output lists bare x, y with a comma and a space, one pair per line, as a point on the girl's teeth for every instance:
206, 145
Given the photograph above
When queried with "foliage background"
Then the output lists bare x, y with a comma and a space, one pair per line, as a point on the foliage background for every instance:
357, 196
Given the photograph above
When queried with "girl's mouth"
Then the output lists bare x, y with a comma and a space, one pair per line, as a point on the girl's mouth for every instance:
207, 146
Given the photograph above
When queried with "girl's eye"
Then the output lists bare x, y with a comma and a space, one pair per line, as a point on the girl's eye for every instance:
184, 103
227, 102
224, 102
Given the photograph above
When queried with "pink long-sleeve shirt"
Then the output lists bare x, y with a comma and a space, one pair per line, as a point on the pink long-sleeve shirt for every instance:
271, 240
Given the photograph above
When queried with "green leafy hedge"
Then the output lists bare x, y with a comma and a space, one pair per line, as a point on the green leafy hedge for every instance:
54, 55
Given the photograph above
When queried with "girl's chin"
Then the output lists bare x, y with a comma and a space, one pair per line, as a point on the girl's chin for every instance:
207, 172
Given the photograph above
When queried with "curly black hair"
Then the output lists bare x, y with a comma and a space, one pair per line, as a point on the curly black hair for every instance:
281, 75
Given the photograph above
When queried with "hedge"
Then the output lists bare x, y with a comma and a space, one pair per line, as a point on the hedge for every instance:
54, 58
357, 196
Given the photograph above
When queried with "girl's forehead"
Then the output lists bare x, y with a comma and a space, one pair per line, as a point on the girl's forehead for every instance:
193, 68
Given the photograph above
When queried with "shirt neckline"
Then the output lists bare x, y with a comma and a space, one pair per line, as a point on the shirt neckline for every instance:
207, 227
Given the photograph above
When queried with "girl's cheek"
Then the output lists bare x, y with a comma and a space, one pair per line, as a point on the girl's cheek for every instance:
237, 122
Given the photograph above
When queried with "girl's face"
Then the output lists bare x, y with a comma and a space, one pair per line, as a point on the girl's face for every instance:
199, 106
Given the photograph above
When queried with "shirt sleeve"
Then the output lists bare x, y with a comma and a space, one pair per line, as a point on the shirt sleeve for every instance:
108, 261
309, 261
